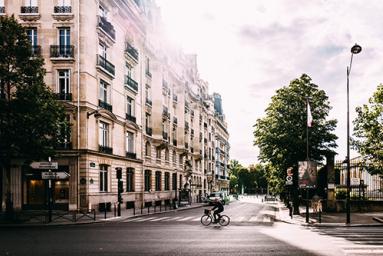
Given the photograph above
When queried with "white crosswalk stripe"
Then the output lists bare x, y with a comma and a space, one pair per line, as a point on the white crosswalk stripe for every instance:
355, 240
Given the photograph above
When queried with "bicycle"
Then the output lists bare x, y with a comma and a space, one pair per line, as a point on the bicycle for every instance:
207, 218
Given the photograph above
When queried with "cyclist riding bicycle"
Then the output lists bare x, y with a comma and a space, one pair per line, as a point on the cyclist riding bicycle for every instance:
219, 206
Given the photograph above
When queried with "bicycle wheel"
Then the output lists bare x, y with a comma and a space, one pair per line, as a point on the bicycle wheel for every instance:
206, 220
224, 220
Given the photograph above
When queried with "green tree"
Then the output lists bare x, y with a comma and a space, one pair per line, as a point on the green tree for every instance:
368, 128
281, 134
30, 117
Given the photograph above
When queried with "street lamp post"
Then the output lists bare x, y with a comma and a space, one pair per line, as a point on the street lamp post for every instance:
354, 50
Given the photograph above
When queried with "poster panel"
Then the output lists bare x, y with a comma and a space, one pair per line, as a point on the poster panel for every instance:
307, 173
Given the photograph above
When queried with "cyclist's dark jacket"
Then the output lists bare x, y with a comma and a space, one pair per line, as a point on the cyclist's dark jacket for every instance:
218, 205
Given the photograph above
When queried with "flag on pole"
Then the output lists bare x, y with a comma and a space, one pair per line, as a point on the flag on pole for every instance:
309, 116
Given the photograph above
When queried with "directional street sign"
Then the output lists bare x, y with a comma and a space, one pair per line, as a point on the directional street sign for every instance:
45, 165
54, 175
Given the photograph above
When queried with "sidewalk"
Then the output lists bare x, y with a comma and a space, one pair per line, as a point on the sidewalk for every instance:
99, 216
329, 219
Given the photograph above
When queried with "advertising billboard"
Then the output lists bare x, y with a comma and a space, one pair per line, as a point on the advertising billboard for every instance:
307, 172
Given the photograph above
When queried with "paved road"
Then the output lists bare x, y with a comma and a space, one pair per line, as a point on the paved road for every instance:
251, 232
355, 240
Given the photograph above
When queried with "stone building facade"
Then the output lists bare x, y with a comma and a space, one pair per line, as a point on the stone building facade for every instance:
134, 102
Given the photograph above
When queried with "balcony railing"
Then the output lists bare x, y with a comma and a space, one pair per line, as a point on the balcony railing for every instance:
107, 27
29, 9
186, 126
105, 149
165, 112
131, 83
186, 145
62, 9
148, 101
62, 51
64, 145
148, 73
132, 51
105, 105
102, 62
149, 131
175, 121
64, 96
175, 98
131, 155
36, 50
130, 118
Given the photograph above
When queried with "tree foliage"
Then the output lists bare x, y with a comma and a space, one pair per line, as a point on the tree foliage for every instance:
368, 128
30, 116
281, 134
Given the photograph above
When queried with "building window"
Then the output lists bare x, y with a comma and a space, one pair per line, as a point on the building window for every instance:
63, 84
158, 181
101, 11
158, 153
166, 154
174, 157
103, 134
103, 178
30, 3
64, 2
174, 181
167, 181
147, 149
31, 33
129, 142
104, 92
147, 66
148, 180
130, 106
129, 180
64, 42
181, 160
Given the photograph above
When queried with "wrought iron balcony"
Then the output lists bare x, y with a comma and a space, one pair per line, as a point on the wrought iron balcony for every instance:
165, 112
36, 50
149, 131
131, 83
102, 62
105, 149
130, 118
131, 51
62, 9
131, 155
148, 73
105, 105
64, 96
107, 27
186, 126
62, 51
64, 145
148, 101
29, 9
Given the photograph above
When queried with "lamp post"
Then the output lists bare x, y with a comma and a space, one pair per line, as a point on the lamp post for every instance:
354, 50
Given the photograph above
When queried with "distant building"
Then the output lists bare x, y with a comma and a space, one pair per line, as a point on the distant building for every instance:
134, 102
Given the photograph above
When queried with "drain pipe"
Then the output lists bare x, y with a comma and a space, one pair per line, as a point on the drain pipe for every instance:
78, 105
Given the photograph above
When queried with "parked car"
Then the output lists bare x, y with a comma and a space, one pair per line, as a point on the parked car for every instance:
214, 195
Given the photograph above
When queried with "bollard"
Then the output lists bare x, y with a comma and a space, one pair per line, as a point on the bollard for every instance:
320, 216
134, 211
104, 210
114, 209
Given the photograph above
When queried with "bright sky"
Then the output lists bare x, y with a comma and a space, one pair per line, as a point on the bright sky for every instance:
247, 49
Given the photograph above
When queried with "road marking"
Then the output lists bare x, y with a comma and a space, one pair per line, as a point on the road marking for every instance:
130, 220
175, 218
159, 219
196, 219
239, 219
146, 219
266, 219
187, 218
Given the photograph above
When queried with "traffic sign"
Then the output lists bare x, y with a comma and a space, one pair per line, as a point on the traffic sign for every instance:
54, 175
289, 180
45, 165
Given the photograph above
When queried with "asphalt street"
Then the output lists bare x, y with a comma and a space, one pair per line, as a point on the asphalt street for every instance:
252, 231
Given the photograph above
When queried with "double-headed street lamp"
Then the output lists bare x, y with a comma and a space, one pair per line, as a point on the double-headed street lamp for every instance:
354, 50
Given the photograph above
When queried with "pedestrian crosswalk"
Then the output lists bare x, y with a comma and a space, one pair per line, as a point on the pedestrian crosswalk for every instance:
262, 217
359, 241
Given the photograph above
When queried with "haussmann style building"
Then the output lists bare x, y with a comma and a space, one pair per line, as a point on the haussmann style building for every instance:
134, 101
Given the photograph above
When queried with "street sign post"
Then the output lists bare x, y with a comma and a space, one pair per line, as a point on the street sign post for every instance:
54, 175
45, 165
